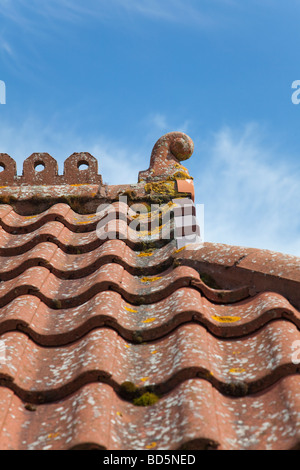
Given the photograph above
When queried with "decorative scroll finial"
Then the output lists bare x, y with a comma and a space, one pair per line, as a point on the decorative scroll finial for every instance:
168, 151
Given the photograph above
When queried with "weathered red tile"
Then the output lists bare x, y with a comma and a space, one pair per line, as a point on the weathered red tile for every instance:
213, 331
59, 326
194, 416
237, 367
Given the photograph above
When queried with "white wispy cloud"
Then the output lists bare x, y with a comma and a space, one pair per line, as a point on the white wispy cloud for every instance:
117, 163
158, 124
251, 194
179, 11
29, 22
6, 47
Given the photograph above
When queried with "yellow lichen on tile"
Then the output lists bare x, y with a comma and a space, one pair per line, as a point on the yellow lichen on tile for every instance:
52, 436
142, 255
129, 309
182, 248
180, 167
237, 370
162, 187
226, 319
150, 279
182, 175
149, 320
151, 446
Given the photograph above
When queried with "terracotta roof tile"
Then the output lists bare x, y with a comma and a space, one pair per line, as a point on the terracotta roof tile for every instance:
207, 420
91, 324
236, 367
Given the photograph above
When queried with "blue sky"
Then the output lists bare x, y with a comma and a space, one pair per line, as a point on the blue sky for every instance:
111, 77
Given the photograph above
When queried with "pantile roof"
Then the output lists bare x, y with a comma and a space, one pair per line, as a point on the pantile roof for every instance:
105, 307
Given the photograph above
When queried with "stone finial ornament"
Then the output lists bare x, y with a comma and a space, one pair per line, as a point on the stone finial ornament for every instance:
167, 153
